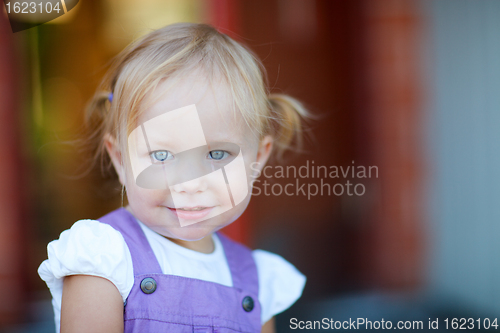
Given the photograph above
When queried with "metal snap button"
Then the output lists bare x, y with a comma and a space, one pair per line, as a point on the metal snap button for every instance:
247, 303
148, 285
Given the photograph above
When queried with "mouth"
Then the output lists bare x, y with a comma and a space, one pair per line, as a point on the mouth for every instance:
191, 213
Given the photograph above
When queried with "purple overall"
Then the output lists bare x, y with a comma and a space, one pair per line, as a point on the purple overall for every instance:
169, 303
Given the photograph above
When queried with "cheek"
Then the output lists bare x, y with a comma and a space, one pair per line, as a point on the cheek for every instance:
251, 165
137, 194
145, 197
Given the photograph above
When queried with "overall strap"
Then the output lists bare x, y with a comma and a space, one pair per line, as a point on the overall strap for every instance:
241, 264
143, 258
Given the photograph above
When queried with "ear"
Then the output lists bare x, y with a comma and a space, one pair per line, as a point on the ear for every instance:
115, 155
264, 151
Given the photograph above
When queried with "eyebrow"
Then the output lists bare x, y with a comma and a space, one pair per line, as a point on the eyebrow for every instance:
222, 137
154, 140
147, 142
166, 143
222, 142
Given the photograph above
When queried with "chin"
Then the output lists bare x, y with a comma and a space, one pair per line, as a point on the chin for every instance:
201, 229
191, 232
191, 237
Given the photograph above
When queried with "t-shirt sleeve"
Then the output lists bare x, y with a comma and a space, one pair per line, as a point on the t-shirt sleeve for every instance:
89, 247
280, 283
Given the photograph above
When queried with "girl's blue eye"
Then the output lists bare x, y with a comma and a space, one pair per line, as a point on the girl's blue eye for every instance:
161, 155
218, 154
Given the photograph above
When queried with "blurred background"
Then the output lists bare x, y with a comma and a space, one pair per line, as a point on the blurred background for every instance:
409, 86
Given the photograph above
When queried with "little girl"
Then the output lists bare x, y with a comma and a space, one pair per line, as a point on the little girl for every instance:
185, 118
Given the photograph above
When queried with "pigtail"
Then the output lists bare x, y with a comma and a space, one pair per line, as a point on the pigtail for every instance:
287, 121
96, 109
95, 126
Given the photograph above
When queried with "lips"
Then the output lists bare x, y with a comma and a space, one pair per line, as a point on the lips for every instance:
192, 209
191, 213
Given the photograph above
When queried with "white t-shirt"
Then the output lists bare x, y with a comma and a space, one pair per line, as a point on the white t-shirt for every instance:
90, 247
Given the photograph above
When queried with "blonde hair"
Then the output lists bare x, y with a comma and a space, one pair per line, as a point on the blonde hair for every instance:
177, 49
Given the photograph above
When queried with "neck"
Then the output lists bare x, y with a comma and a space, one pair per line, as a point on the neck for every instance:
204, 245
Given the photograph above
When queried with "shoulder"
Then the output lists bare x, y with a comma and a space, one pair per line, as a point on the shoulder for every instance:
280, 283
89, 247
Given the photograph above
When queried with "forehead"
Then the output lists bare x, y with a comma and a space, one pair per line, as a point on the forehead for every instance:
216, 111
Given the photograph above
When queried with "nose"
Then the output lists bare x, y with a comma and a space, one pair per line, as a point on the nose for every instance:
188, 174
190, 178
196, 185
